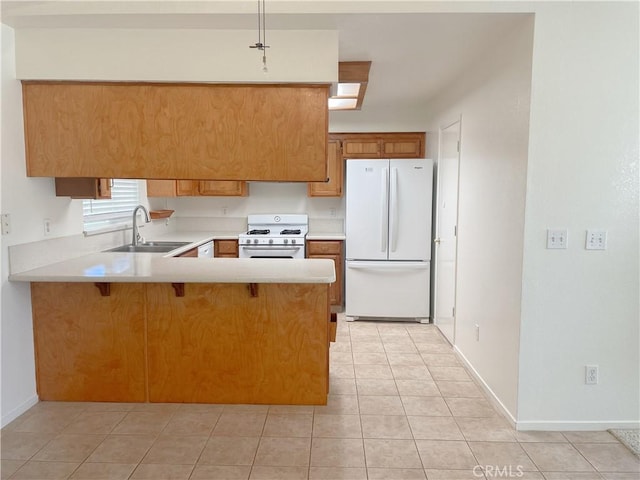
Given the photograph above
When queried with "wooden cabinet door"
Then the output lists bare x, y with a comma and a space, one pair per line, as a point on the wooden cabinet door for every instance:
93, 349
332, 250
335, 168
220, 344
84, 188
361, 148
223, 188
186, 188
225, 249
189, 253
382, 144
410, 147
104, 187
161, 188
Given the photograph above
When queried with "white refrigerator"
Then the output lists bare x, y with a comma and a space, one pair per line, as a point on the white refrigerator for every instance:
388, 245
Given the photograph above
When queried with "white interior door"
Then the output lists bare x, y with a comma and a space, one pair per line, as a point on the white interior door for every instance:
446, 230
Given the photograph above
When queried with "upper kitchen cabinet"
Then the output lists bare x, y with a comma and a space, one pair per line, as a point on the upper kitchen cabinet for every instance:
195, 188
176, 131
335, 167
383, 145
86, 188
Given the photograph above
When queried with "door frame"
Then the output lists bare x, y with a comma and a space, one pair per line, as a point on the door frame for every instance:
436, 226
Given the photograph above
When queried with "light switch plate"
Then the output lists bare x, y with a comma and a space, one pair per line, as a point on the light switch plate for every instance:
557, 238
596, 240
6, 224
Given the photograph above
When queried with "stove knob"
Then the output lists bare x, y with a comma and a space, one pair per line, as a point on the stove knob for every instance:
255, 240
248, 240
271, 240
286, 240
293, 240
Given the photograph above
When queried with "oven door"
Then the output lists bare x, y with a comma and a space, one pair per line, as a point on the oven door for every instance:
262, 251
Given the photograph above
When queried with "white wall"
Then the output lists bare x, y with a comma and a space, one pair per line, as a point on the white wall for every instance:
29, 201
581, 307
493, 98
185, 55
264, 197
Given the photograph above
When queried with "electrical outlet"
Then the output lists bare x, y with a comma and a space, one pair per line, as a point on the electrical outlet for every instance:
332, 212
557, 238
596, 240
477, 332
6, 224
47, 226
225, 210
591, 374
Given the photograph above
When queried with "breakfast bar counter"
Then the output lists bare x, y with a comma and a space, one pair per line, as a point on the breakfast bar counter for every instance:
150, 267
132, 327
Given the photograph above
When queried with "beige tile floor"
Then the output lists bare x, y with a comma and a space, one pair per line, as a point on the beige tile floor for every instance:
401, 407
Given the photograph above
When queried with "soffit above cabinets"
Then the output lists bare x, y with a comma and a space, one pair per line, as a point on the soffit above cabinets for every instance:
175, 55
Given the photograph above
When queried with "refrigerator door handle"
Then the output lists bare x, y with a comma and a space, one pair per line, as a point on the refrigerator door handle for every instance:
386, 265
393, 209
384, 210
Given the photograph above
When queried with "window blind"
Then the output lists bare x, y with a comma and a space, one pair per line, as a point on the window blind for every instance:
115, 212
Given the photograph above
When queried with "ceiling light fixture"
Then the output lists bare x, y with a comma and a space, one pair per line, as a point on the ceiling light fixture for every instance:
353, 78
261, 44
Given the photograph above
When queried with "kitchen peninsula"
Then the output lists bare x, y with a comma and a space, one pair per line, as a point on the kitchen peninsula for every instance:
140, 327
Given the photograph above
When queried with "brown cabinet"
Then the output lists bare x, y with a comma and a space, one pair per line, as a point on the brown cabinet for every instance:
331, 249
223, 188
225, 249
189, 253
176, 131
197, 188
343, 146
221, 344
194, 342
382, 145
86, 188
89, 347
335, 167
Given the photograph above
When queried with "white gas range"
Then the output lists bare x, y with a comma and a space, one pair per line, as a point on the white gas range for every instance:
274, 236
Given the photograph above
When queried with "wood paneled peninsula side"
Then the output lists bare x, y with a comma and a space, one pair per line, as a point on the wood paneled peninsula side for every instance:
132, 327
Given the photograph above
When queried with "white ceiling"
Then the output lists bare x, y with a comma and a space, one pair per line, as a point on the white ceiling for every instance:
414, 55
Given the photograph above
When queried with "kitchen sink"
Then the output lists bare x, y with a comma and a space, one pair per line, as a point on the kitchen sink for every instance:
149, 247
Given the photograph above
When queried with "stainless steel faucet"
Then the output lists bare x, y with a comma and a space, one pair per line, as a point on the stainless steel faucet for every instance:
136, 234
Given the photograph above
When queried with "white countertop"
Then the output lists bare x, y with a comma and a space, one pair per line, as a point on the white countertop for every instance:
325, 236
156, 268
165, 267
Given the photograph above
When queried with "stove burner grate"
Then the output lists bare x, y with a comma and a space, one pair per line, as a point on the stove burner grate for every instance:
290, 232
259, 232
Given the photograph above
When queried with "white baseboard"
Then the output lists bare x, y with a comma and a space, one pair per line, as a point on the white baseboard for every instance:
493, 398
19, 410
552, 426
557, 426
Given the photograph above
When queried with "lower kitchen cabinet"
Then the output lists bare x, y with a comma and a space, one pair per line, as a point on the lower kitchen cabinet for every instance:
89, 347
331, 249
197, 188
176, 342
189, 253
225, 249
221, 344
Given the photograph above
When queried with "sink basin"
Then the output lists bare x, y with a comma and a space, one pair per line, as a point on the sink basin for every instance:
149, 247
